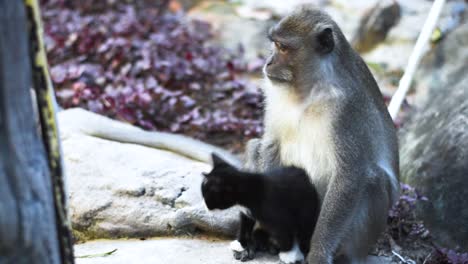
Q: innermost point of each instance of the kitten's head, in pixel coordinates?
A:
(219, 187)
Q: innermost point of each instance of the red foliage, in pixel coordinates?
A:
(157, 71)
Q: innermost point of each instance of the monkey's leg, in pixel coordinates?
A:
(244, 248)
(369, 220)
(353, 215)
(340, 212)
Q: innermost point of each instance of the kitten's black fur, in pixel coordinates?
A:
(282, 201)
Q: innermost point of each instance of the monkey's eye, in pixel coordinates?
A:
(281, 48)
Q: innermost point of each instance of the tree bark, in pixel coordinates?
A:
(28, 228)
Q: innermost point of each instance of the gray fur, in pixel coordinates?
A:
(358, 182)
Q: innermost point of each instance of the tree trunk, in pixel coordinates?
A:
(29, 230)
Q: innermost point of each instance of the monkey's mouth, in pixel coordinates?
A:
(275, 78)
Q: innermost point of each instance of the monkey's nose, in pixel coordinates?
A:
(269, 61)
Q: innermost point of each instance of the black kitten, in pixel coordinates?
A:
(283, 202)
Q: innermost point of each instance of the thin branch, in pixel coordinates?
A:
(427, 258)
(407, 261)
(98, 255)
(416, 55)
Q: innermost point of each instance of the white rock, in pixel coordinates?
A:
(128, 190)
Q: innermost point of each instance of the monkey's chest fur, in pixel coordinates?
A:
(304, 132)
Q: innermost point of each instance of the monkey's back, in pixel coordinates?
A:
(363, 117)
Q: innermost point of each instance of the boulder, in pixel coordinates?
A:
(375, 25)
(444, 66)
(128, 190)
(399, 42)
(434, 144)
(434, 159)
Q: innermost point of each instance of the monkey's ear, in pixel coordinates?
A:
(325, 41)
(217, 160)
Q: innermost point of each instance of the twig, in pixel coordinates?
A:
(416, 55)
(407, 261)
(428, 256)
(98, 255)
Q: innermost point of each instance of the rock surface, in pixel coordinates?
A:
(444, 67)
(128, 190)
(375, 25)
(434, 159)
(434, 144)
(170, 251)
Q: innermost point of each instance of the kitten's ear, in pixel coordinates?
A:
(217, 160)
(325, 41)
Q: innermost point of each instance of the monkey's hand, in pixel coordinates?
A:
(242, 253)
(319, 259)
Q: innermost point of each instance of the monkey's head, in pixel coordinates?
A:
(301, 44)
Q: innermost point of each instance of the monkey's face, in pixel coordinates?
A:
(300, 43)
(279, 66)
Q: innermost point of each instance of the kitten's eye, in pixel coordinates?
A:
(281, 48)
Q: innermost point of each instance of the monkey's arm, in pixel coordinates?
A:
(338, 211)
(252, 154)
(261, 154)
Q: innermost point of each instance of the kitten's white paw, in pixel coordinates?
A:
(292, 256)
(236, 246)
(241, 253)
